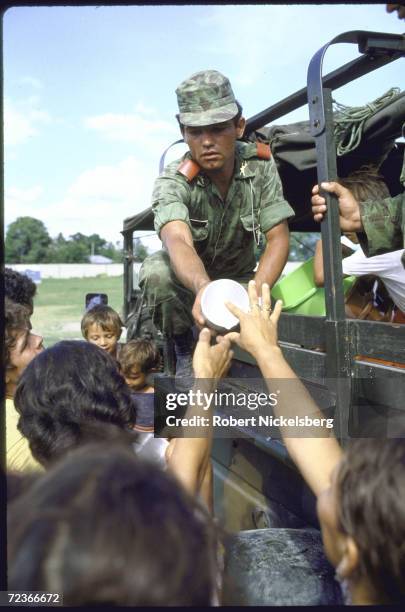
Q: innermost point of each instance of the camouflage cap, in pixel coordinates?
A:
(206, 98)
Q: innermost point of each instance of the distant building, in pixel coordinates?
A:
(99, 259)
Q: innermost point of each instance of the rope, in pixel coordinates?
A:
(349, 121)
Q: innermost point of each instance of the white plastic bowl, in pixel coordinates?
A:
(213, 301)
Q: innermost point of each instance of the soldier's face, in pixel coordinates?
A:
(213, 146)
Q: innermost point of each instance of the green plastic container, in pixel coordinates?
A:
(299, 293)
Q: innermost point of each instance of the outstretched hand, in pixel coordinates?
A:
(349, 210)
(258, 328)
(211, 361)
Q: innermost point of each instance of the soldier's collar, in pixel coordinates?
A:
(243, 170)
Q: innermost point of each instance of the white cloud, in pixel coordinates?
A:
(251, 54)
(26, 202)
(96, 202)
(270, 46)
(100, 198)
(141, 127)
(21, 124)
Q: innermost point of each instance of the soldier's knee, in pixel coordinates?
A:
(155, 273)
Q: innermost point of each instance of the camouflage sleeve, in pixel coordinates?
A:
(170, 201)
(273, 207)
(383, 222)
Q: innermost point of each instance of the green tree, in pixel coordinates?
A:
(27, 241)
(68, 251)
(140, 251)
(302, 245)
(111, 251)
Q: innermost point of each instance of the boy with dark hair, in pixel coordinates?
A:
(101, 325)
(137, 359)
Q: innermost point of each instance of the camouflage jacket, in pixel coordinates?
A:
(224, 231)
(384, 223)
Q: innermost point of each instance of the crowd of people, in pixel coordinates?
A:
(104, 513)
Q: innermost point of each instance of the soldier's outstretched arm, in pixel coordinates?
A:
(275, 255)
(186, 264)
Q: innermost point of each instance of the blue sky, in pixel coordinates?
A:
(90, 103)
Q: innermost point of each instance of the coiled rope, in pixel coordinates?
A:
(349, 121)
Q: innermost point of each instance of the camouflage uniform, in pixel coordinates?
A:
(223, 231)
(384, 223)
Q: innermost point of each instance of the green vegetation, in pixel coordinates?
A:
(59, 304)
(28, 241)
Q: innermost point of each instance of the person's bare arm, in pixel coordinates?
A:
(187, 265)
(275, 255)
(319, 278)
(189, 458)
(315, 456)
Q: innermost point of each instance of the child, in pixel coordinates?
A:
(137, 359)
(101, 325)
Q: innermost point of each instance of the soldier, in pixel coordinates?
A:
(210, 208)
(379, 223)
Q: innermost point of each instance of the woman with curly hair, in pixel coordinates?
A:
(20, 347)
(73, 392)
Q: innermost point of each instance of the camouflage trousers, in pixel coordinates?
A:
(168, 301)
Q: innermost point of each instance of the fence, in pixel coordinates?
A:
(69, 270)
(87, 270)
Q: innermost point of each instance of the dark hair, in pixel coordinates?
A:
(139, 352)
(371, 491)
(19, 287)
(105, 316)
(366, 184)
(63, 390)
(16, 320)
(235, 119)
(103, 527)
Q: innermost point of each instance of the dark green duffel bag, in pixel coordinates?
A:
(363, 135)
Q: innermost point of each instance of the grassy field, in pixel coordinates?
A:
(59, 305)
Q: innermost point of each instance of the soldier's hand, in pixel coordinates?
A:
(196, 310)
(349, 209)
(211, 362)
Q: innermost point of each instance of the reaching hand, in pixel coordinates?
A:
(258, 328)
(211, 361)
(349, 210)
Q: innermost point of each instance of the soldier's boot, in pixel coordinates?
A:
(183, 347)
